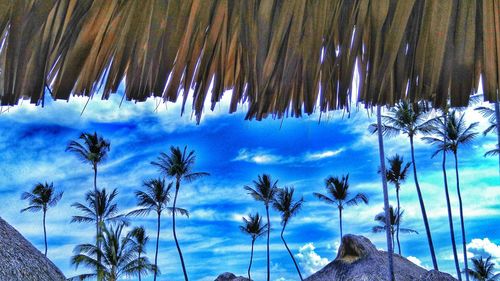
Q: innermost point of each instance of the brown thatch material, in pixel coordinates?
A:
(359, 260)
(21, 261)
(281, 57)
(228, 276)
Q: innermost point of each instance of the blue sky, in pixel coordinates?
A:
(297, 152)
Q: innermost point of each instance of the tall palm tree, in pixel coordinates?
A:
(155, 198)
(411, 120)
(41, 197)
(264, 190)
(484, 270)
(338, 194)
(119, 257)
(395, 220)
(285, 204)
(139, 240)
(390, 243)
(397, 174)
(92, 149)
(178, 164)
(253, 227)
(450, 136)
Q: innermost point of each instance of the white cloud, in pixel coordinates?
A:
(309, 259)
(322, 155)
(484, 247)
(416, 261)
(258, 156)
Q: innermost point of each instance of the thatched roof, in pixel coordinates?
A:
(281, 57)
(21, 261)
(359, 260)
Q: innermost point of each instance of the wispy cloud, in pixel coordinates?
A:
(267, 156)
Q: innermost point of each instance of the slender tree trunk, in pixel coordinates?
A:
(497, 114)
(45, 231)
(422, 207)
(450, 215)
(340, 222)
(290, 252)
(157, 244)
(177, 185)
(97, 227)
(140, 265)
(268, 232)
(399, 218)
(251, 259)
(464, 239)
(386, 195)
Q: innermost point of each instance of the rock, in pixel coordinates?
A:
(359, 260)
(228, 276)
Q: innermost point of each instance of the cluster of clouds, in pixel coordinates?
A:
(266, 156)
(309, 259)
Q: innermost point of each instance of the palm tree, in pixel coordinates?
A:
(338, 190)
(139, 240)
(41, 197)
(395, 220)
(411, 120)
(450, 135)
(264, 190)
(484, 270)
(285, 204)
(253, 227)
(92, 149)
(179, 166)
(119, 257)
(396, 175)
(155, 198)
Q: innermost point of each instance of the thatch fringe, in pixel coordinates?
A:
(281, 57)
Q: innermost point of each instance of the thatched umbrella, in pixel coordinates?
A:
(21, 261)
(281, 57)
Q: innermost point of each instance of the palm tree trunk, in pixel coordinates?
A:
(399, 217)
(340, 222)
(422, 207)
(177, 185)
(290, 252)
(45, 231)
(450, 215)
(497, 114)
(97, 227)
(268, 232)
(386, 195)
(140, 265)
(464, 239)
(251, 259)
(157, 244)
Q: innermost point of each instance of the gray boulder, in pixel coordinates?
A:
(228, 276)
(359, 260)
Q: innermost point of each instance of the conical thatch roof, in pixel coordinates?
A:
(21, 261)
(279, 56)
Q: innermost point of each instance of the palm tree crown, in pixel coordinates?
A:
(41, 197)
(93, 148)
(338, 190)
(284, 203)
(178, 164)
(139, 240)
(484, 270)
(119, 256)
(456, 132)
(100, 206)
(406, 118)
(398, 171)
(253, 226)
(396, 218)
(264, 189)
